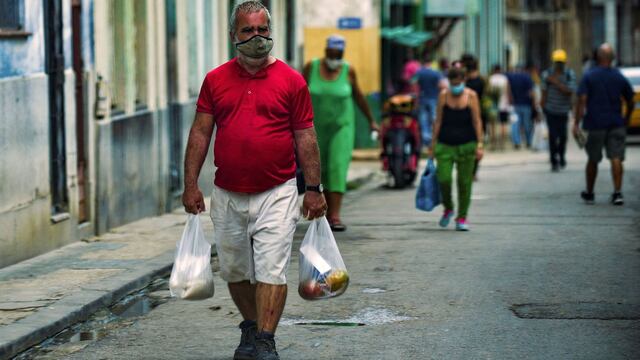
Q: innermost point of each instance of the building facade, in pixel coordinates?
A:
(536, 27)
(96, 102)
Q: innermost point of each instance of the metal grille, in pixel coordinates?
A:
(11, 15)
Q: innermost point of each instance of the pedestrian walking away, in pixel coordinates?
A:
(476, 83)
(430, 83)
(500, 94)
(558, 86)
(523, 97)
(457, 140)
(334, 88)
(599, 94)
(261, 110)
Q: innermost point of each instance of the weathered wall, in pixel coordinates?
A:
(26, 229)
(26, 226)
(363, 45)
(128, 169)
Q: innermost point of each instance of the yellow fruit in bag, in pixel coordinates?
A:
(337, 279)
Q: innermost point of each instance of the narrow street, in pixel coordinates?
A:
(540, 276)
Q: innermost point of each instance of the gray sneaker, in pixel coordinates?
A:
(247, 348)
(266, 347)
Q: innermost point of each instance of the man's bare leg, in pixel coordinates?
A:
(270, 300)
(244, 296)
(592, 173)
(616, 173)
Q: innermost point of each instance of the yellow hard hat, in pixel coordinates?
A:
(559, 56)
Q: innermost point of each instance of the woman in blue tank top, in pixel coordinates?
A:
(457, 139)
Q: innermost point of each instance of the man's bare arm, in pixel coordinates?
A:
(308, 155)
(196, 153)
(580, 105)
(313, 204)
(629, 110)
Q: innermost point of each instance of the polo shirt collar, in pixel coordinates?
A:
(245, 74)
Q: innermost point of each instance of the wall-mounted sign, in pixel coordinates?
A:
(438, 8)
(349, 23)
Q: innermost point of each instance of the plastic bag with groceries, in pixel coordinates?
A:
(191, 276)
(323, 274)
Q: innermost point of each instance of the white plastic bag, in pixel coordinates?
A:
(540, 137)
(191, 276)
(322, 272)
(513, 117)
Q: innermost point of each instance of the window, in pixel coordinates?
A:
(129, 65)
(11, 16)
(196, 52)
(291, 30)
(12, 19)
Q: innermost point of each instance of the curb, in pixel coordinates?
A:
(47, 322)
(27, 332)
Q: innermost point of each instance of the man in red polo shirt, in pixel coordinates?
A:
(261, 109)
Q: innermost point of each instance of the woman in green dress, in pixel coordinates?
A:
(334, 89)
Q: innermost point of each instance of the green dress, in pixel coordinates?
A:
(334, 120)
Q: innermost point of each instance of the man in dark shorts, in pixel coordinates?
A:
(600, 92)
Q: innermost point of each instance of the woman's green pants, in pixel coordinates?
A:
(463, 156)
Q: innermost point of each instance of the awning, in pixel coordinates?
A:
(405, 35)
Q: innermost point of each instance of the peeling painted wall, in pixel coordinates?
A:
(362, 49)
(26, 229)
(321, 14)
(25, 56)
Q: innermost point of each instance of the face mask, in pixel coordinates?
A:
(457, 89)
(333, 63)
(257, 47)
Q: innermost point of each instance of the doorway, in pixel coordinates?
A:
(78, 69)
(54, 68)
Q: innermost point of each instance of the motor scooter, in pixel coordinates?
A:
(400, 140)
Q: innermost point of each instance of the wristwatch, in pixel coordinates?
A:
(316, 188)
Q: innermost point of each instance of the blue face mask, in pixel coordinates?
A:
(457, 89)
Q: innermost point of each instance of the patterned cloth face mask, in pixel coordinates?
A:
(257, 47)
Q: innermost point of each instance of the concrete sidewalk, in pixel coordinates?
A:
(41, 296)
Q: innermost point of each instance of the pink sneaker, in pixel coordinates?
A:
(462, 225)
(446, 218)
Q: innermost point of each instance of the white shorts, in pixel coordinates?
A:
(254, 232)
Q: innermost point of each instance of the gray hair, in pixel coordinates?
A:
(247, 7)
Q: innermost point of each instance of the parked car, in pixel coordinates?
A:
(633, 74)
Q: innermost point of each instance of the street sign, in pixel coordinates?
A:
(455, 8)
(349, 23)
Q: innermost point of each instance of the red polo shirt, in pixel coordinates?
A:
(255, 118)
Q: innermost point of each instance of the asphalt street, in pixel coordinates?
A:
(540, 275)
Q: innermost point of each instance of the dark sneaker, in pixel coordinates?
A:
(555, 168)
(588, 198)
(617, 199)
(563, 163)
(266, 347)
(247, 348)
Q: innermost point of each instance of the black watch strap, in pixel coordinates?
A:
(316, 188)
